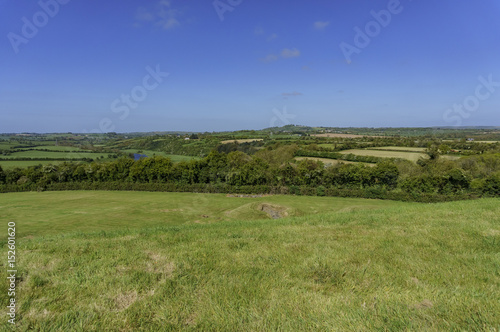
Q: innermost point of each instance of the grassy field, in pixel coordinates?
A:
(241, 140)
(53, 154)
(26, 163)
(399, 148)
(95, 211)
(391, 266)
(413, 156)
(173, 157)
(332, 161)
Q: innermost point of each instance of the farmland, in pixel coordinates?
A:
(331, 161)
(413, 156)
(152, 261)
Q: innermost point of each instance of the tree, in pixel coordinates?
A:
(2, 175)
(433, 152)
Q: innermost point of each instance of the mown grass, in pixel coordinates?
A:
(327, 161)
(61, 212)
(11, 164)
(413, 156)
(399, 148)
(402, 267)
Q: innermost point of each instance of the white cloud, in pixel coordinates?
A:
(290, 53)
(161, 15)
(269, 58)
(320, 25)
(272, 37)
(292, 94)
(285, 53)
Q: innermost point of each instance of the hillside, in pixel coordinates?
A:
(393, 266)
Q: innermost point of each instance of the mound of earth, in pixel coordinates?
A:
(273, 211)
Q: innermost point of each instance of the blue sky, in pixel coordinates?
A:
(93, 66)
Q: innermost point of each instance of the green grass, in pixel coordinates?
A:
(400, 266)
(332, 161)
(399, 148)
(175, 158)
(50, 154)
(413, 156)
(95, 211)
(58, 148)
(26, 163)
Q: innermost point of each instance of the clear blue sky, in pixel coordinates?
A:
(247, 64)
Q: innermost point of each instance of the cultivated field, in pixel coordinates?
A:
(399, 148)
(332, 161)
(121, 261)
(413, 156)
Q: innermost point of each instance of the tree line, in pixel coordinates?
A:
(271, 170)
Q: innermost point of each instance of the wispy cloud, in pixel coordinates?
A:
(290, 53)
(269, 58)
(285, 53)
(258, 31)
(161, 14)
(292, 94)
(272, 37)
(320, 25)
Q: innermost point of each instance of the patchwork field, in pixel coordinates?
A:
(100, 261)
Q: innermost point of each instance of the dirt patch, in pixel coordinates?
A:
(273, 211)
(160, 264)
(125, 300)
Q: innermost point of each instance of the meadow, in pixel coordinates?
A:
(151, 153)
(413, 156)
(127, 261)
(327, 161)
